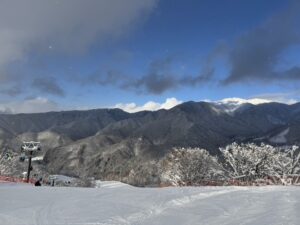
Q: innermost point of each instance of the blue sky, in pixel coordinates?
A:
(61, 55)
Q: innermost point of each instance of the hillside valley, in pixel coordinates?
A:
(111, 144)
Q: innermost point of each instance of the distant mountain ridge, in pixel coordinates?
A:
(111, 143)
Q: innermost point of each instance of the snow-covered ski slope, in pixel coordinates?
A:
(116, 203)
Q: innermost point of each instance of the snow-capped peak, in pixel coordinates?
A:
(229, 105)
(240, 101)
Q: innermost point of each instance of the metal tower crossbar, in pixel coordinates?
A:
(31, 146)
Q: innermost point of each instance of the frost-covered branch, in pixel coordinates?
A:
(253, 161)
(242, 162)
(190, 166)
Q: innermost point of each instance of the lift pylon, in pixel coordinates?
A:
(30, 147)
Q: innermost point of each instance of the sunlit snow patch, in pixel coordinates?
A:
(280, 138)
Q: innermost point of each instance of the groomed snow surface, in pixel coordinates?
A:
(116, 203)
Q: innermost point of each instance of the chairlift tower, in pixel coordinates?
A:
(29, 147)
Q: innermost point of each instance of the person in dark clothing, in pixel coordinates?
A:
(38, 183)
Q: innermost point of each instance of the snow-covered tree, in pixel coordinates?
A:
(243, 162)
(190, 166)
(294, 155)
(247, 160)
(251, 161)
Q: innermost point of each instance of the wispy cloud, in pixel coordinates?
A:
(31, 105)
(48, 85)
(160, 77)
(287, 98)
(255, 54)
(11, 91)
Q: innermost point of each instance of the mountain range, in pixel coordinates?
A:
(114, 144)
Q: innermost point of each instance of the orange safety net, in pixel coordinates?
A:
(15, 180)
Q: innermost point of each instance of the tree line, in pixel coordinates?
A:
(237, 164)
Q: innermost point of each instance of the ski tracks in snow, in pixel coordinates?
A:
(263, 205)
(116, 204)
(43, 215)
(157, 209)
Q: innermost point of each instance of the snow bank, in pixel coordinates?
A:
(109, 184)
(124, 204)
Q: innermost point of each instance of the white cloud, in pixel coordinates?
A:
(149, 106)
(286, 98)
(34, 105)
(267, 98)
(239, 101)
